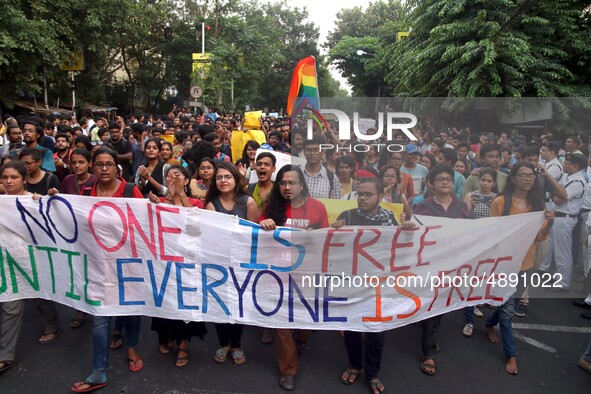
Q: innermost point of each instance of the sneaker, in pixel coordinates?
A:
(478, 312)
(520, 310)
(468, 329)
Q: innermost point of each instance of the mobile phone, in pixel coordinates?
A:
(482, 198)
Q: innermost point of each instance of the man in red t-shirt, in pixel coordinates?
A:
(290, 205)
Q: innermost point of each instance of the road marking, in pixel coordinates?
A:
(533, 342)
(548, 327)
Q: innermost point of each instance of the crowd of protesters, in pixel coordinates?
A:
(206, 161)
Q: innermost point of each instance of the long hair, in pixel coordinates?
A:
(249, 144)
(276, 205)
(185, 173)
(239, 188)
(535, 197)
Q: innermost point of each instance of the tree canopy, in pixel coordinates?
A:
(467, 48)
(130, 45)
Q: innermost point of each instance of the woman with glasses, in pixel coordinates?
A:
(520, 195)
(247, 163)
(227, 195)
(108, 184)
(394, 190)
(443, 203)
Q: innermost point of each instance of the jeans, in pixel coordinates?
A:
(101, 337)
(503, 316)
(469, 315)
(365, 356)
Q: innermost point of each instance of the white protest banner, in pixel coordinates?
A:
(131, 257)
(282, 159)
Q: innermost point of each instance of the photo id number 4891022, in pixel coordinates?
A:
(544, 280)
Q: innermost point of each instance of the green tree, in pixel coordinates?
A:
(477, 48)
(369, 30)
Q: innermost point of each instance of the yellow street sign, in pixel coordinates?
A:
(75, 61)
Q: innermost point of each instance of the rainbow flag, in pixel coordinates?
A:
(303, 92)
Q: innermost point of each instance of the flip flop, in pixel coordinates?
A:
(221, 355)
(375, 384)
(135, 365)
(432, 367)
(91, 386)
(182, 361)
(6, 365)
(238, 356)
(351, 373)
(52, 335)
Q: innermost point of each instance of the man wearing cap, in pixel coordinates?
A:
(566, 211)
(417, 172)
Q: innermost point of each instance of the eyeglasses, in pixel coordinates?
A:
(224, 177)
(526, 176)
(285, 183)
(109, 165)
(310, 151)
(444, 180)
(365, 195)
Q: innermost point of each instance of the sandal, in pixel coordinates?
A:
(135, 365)
(166, 347)
(350, 376)
(429, 368)
(77, 387)
(48, 338)
(376, 386)
(5, 365)
(181, 361)
(116, 341)
(238, 356)
(221, 355)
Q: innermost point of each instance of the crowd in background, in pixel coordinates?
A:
(207, 161)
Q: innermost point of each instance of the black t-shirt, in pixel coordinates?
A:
(122, 147)
(47, 182)
(352, 218)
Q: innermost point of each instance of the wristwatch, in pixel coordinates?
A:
(65, 165)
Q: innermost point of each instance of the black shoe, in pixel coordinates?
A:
(586, 316)
(582, 304)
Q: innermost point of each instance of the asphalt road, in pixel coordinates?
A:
(547, 354)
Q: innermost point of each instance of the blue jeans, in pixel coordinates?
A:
(101, 338)
(503, 316)
(469, 315)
